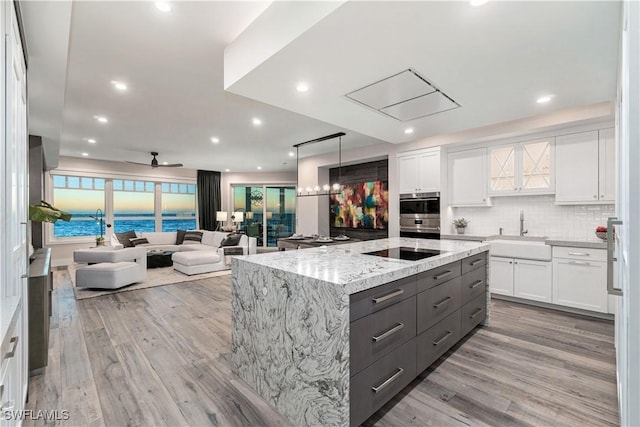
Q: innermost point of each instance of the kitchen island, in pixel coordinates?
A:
(328, 335)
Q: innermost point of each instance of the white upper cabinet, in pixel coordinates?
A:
(522, 168)
(467, 176)
(585, 167)
(419, 171)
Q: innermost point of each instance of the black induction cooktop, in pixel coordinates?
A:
(405, 253)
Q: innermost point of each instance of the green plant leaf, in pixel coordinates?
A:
(45, 212)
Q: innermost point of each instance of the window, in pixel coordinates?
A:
(133, 206)
(267, 223)
(82, 197)
(127, 204)
(178, 206)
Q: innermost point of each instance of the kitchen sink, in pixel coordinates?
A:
(521, 247)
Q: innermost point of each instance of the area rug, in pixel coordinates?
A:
(155, 277)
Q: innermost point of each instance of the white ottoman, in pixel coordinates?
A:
(198, 262)
(110, 275)
(97, 255)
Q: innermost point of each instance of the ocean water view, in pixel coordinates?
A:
(82, 224)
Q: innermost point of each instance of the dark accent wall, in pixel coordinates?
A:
(362, 172)
(36, 185)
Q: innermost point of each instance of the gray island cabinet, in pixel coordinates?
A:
(329, 335)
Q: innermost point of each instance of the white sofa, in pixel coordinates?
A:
(212, 258)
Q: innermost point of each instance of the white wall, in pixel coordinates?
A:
(542, 218)
(313, 212)
(62, 253)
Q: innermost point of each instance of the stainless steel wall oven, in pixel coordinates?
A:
(420, 215)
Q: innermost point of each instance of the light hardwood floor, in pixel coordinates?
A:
(161, 356)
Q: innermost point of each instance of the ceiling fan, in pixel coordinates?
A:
(155, 164)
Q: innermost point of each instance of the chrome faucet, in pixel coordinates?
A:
(522, 230)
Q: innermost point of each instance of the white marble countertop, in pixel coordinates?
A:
(346, 264)
(594, 243)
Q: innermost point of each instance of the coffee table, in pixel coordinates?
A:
(157, 259)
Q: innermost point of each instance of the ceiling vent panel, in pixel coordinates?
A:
(403, 96)
(426, 105)
(394, 89)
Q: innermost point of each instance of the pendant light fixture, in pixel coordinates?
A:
(326, 188)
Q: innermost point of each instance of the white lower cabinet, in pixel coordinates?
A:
(521, 278)
(576, 277)
(580, 284)
(501, 275)
(532, 280)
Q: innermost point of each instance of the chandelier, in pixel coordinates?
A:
(325, 188)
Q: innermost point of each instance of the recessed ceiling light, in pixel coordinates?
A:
(163, 6)
(118, 85)
(544, 99)
(215, 140)
(85, 154)
(477, 3)
(227, 170)
(259, 167)
(302, 87)
(165, 163)
(91, 141)
(256, 121)
(101, 119)
(291, 154)
(408, 131)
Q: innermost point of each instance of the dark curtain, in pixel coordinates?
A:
(209, 198)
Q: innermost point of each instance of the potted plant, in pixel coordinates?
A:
(99, 240)
(460, 224)
(44, 212)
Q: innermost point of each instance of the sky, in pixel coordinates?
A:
(74, 200)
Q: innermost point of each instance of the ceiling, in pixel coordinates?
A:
(494, 60)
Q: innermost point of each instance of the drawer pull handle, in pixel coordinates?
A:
(579, 263)
(441, 303)
(388, 381)
(476, 284)
(443, 339)
(390, 332)
(387, 297)
(12, 352)
(478, 311)
(440, 276)
(579, 253)
(476, 262)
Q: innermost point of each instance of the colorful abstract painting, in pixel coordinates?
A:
(361, 205)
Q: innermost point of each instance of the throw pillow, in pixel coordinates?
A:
(139, 241)
(125, 238)
(180, 236)
(231, 240)
(192, 237)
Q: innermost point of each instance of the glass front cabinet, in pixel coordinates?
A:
(522, 168)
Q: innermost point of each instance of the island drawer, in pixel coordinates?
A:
(436, 341)
(376, 385)
(438, 275)
(373, 336)
(474, 283)
(473, 313)
(473, 262)
(437, 303)
(378, 298)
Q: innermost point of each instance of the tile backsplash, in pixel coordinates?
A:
(541, 217)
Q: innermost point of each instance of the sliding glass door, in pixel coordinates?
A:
(269, 212)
